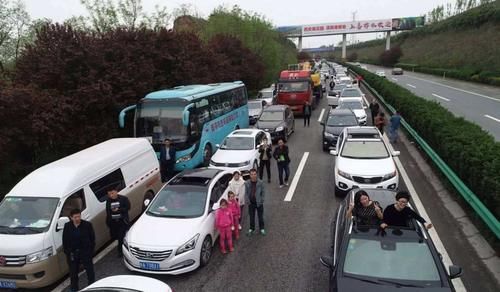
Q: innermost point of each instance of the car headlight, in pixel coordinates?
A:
(389, 175)
(39, 256)
(184, 158)
(344, 174)
(244, 163)
(329, 135)
(189, 245)
(279, 129)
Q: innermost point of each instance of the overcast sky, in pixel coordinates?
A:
(279, 12)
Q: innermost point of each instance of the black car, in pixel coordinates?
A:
(335, 122)
(278, 120)
(365, 258)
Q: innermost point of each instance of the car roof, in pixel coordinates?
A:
(199, 176)
(245, 133)
(363, 132)
(276, 108)
(341, 112)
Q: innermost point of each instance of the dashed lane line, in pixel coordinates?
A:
(439, 96)
(296, 177)
(411, 85)
(493, 118)
(321, 115)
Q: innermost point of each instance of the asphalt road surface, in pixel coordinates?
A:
(287, 258)
(475, 102)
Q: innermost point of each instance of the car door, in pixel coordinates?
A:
(217, 192)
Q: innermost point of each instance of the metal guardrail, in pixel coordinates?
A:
(466, 193)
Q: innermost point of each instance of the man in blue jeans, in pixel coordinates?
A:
(281, 156)
(255, 193)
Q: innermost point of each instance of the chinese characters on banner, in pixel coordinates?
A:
(217, 124)
(347, 27)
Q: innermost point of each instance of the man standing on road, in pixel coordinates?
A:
(79, 245)
(265, 154)
(380, 122)
(281, 156)
(307, 113)
(393, 130)
(167, 160)
(374, 109)
(117, 207)
(255, 193)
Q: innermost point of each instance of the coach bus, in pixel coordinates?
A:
(194, 117)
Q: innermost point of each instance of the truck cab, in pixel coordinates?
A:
(295, 87)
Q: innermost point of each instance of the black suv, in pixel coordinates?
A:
(335, 122)
(365, 258)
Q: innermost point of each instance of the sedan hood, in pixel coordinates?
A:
(366, 167)
(163, 232)
(354, 285)
(232, 156)
(271, 125)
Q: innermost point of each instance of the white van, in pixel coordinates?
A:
(34, 212)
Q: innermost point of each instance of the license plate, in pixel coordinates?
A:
(150, 266)
(8, 284)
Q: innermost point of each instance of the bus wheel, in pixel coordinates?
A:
(207, 155)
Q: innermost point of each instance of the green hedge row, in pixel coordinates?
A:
(470, 151)
(486, 77)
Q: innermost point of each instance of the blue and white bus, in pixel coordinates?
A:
(195, 117)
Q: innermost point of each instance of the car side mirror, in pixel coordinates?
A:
(455, 271)
(365, 107)
(334, 152)
(327, 261)
(217, 145)
(396, 153)
(61, 222)
(215, 206)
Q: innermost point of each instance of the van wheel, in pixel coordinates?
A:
(207, 155)
(206, 251)
(148, 196)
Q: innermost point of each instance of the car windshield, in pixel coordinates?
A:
(293, 86)
(350, 93)
(354, 105)
(26, 215)
(255, 104)
(160, 120)
(180, 201)
(342, 120)
(237, 143)
(386, 259)
(271, 116)
(364, 150)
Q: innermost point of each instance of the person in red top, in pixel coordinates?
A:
(224, 224)
(234, 206)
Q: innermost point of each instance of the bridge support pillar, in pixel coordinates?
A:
(300, 44)
(388, 41)
(344, 44)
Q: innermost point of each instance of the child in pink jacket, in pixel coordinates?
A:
(234, 206)
(224, 224)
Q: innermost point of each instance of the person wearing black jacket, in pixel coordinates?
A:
(79, 245)
(374, 109)
(281, 155)
(117, 219)
(265, 154)
(399, 213)
(306, 112)
(167, 160)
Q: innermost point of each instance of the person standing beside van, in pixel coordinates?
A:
(167, 160)
(79, 245)
(117, 219)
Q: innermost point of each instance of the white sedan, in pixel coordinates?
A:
(380, 73)
(128, 283)
(240, 150)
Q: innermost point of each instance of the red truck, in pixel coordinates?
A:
(294, 89)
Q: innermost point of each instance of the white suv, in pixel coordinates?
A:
(363, 160)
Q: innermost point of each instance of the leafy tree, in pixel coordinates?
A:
(391, 57)
(303, 56)
(352, 57)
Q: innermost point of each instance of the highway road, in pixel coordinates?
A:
(287, 259)
(475, 102)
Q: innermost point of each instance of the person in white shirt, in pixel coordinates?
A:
(237, 186)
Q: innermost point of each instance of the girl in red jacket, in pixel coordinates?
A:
(224, 224)
(234, 206)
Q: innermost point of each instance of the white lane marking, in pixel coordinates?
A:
(321, 115)
(493, 118)
(439, 96)
(97, 258)
(411, 85)
(457, 282)
(458, 89)
(296, 177)
(394, 79)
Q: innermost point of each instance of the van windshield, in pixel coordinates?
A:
(26, 215)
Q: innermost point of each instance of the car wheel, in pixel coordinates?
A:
(207, 155)
(206, 251)
(339, 192)
(147, 196)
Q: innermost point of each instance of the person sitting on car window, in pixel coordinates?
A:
(399, 213)
(366, 211)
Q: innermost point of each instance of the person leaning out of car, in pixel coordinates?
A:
(366, 211)
(399, 213)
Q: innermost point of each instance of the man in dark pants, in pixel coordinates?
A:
(117, 207)
(374, 109)
(79, 245)
(306, 112)
(167, 160)
(255, 193)
(265, 154)
(281, 156)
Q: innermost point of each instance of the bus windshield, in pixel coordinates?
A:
(161, 120)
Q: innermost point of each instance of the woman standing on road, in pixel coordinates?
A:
(366, 211)
(237, 186)
(380, 122)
